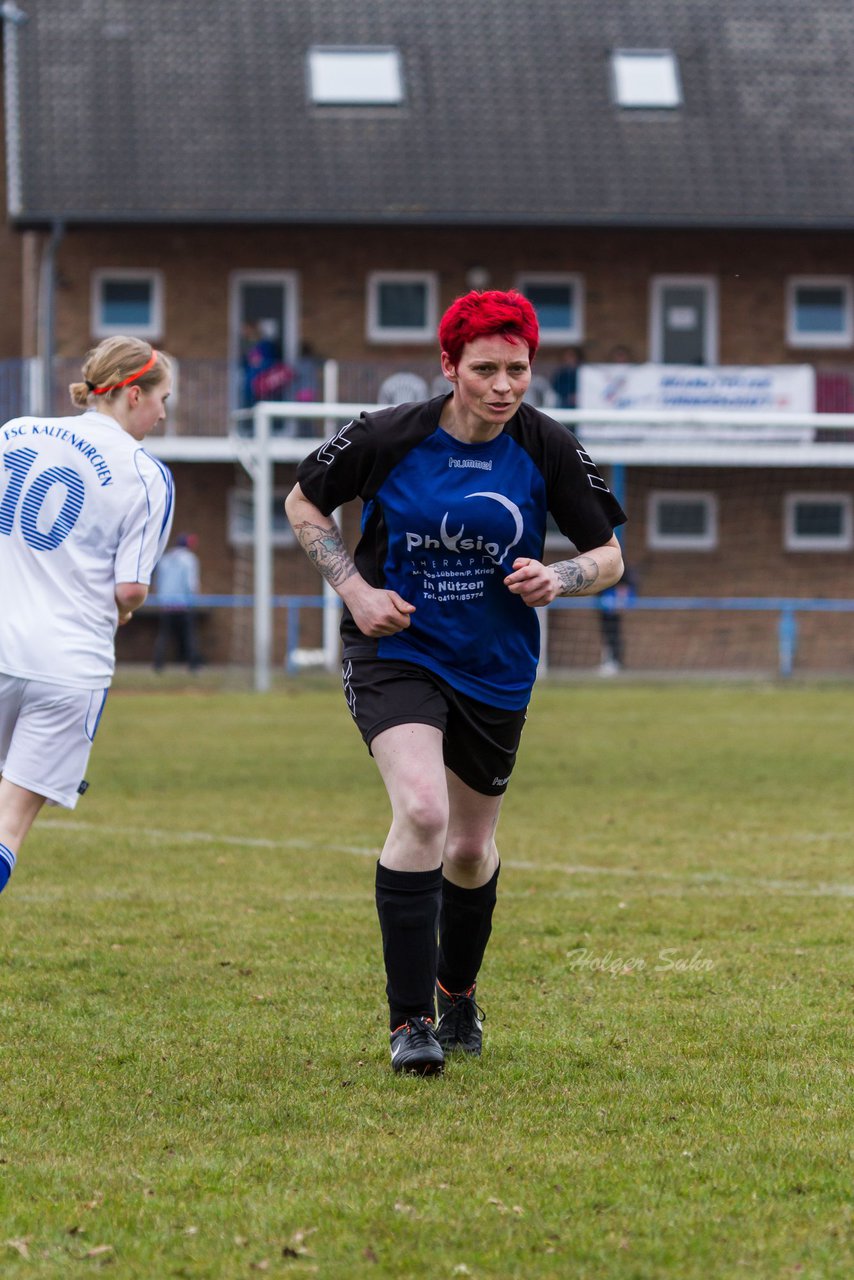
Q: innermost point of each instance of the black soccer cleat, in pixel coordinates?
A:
(460, 1025)
(415, 1049)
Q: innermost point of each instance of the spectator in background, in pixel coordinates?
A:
(177, 584)
(307, 375)
(565, 378)
(265, 376)
(612, 602)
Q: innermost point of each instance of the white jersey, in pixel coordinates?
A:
(82, 508)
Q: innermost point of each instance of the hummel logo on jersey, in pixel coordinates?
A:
(594, 479)
(480, 464)
(326, 452)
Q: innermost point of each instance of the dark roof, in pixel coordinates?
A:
(198, 110)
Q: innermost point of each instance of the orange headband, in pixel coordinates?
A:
(114, 386)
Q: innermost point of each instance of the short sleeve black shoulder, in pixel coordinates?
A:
(442, 524)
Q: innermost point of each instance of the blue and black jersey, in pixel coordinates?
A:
(442, 524)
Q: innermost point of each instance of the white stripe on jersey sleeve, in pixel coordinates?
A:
(146, 528)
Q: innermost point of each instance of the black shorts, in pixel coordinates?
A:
(480, 741)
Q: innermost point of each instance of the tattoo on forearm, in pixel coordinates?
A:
(576, 575)
(325, 549)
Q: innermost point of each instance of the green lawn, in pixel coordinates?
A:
(195, 1077)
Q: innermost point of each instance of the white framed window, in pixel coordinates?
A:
(819, 522)
(558, 299)
(127, 301)
(683, 322)
(241, 517)
(402, 306)
(819, 311)
(682, 521)
(645, 78)
(355, 76)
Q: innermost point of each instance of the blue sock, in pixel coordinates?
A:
(7, 865)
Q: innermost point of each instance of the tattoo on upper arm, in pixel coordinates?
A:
(576, 575)
(325, 549)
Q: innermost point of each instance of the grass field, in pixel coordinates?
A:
(195, 1077)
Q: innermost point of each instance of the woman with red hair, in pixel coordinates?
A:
(441, 637)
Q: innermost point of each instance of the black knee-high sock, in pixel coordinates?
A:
(408, 907)
(465, 923)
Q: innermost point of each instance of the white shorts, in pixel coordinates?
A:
(46, 734)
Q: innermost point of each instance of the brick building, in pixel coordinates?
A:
(341, 172)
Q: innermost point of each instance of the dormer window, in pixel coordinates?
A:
(355, 77)
(646, 78)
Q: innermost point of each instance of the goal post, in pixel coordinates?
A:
(257, 449)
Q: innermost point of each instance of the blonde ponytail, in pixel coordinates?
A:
(114, 364)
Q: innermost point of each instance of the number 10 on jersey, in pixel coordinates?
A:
(29, 492)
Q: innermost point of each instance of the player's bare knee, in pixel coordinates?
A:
(467, 852)
(425, 813)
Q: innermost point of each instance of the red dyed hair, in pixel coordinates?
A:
(482, 315)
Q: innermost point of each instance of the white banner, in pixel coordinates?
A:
(788, 388)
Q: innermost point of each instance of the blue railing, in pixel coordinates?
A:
(787, 607)
(293, 604)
